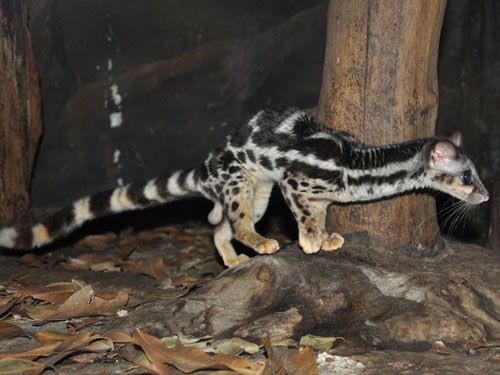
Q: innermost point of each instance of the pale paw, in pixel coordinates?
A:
(310, 245)
(236, 260)
(333, 242)
(268, 247)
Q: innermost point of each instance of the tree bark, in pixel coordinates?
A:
(380, 84)
(20, 111)
(494, 229)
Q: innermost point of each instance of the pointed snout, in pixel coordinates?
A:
(479, 196)
(485, 196)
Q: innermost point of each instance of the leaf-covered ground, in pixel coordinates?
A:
(54, 305)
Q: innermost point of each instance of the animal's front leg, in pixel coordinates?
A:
(310, 214)
(239, 207)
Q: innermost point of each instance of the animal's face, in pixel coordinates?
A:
(451, 171)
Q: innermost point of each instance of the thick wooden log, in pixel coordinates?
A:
(373, 297)
(380, 84)
(20, 111)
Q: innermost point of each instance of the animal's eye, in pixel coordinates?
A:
(466, 177)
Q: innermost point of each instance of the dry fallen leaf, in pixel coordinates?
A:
(154, 267)
(56, 293)
(51, 337)
(118, 337)
(236, 346)
(9, 331)
(320, 343)
(76, 325)
(99, 241)
(139, 359)
(301, 361)
(82, 303)
(11, 366)
(191, 359)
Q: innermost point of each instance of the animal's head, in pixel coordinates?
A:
(449, 170)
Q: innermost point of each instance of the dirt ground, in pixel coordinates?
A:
(56, 310)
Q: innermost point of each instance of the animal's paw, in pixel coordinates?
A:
(268, 247)
(310, 244)
(333, 242)
(236, 260)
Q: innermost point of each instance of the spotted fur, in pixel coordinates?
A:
(312, 165)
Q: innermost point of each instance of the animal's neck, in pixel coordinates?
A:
(374, 172)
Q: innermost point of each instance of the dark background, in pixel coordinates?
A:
(189, 71)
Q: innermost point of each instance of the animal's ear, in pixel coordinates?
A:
(456, 138)
(442, 153)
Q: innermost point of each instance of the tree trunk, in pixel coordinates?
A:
(494, 230)
(380, 84)
(20, 111)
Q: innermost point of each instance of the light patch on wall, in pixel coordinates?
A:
(116, 156)
(115, 119)
(115, 95)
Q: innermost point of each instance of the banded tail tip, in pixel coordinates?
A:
(8, 237)
(40, 235)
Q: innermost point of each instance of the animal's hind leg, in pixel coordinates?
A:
(239, 207)
(310, 215)
(223, 234)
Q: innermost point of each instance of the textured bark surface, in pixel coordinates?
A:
(374, 298)
(20, 111)
(494, 229)
(380, 83)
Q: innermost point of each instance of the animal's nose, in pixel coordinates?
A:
(485, 196)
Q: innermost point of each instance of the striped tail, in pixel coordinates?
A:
(134, 196)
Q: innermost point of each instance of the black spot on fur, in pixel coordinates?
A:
(266, 163)
(226, 176)
(235, 191)
(303, 219)
(293, 183)
(304, 183)
(218, 188)
(242, 215)
(226, 159)
(282, 162)
(251, 156)
(233, 183)
(234, 206)
(233, 169)
(440, 177)
(318, 187)
(296, 200)
(241, 156)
